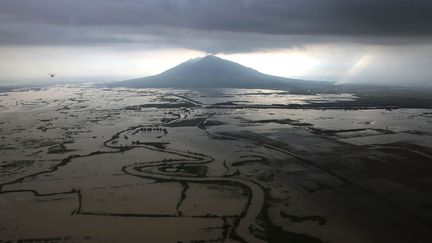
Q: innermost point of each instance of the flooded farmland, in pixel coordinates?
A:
(87, 164)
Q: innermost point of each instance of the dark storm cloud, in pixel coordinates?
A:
(215, 26)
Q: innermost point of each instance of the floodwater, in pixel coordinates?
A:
(86, 164)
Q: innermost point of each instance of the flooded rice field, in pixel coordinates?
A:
(86, 164)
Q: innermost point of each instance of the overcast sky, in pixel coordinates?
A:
(374, 41)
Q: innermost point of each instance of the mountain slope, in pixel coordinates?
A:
(214, 72)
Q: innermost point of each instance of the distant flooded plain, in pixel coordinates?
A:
(86, 164)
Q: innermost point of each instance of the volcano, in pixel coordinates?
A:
(214, 72)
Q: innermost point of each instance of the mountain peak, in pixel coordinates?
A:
(211, 66)
(208, 71)
(208, 58)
